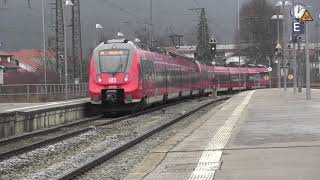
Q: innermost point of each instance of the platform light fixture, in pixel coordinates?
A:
(120, 34)
(99, 29)
(44, 45)
(283, 3)
(278, 17)
(99, 26)
(68, 3)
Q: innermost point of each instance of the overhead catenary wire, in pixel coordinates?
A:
(196, 3)
(125, 11)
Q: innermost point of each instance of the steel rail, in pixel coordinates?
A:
(30, 147)
(47, 131)
(110, 154)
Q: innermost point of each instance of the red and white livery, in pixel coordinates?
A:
(123, 76)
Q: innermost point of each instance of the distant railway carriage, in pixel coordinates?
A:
(123, 76)
(264, 77)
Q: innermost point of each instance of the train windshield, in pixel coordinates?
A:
(113, 61)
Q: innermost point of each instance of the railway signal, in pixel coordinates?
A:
(278, 49)
(213, 46)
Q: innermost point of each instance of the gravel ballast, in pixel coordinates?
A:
(54, 160)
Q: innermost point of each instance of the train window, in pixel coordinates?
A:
(160, 75)
(235, 78)
(252, 78)
(148, 69)
(113, 61)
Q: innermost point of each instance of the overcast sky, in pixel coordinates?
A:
(20, 27)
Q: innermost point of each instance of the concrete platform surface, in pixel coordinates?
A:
(11, 107)
(263, 134)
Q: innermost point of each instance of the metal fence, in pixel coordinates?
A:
(42, 92)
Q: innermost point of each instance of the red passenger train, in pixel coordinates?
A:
(124, 76)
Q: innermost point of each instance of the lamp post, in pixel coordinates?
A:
(239, 67)
(151, 23)
(44, 46)
(318, 41)
(68, 3)
(99, 28)
(283, 5)
(278, 17)
(295, 69)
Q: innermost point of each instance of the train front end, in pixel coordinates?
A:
(114, 76)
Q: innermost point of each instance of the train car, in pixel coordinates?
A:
(253, 78)
(123, 76)
(264, 77)
(243, 78)
(205, 84)
(222, 79)
(235, 78)
(114, 75)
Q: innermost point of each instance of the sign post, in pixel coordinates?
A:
(307, 18)
(298, 28)
(308, 86)
(270, 75)
(1, 74)
(295, 69)
(300, 13)
(277, 61)
(213, 46)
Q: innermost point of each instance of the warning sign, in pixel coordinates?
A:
(213, 40)
(306, 17)
(278, 46)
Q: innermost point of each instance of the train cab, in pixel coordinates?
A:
(114, 74)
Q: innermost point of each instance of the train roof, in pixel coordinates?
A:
(116, 45)
(262, 69)
(253, 70)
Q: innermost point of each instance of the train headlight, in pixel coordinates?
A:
(99, 78)
(126, 78)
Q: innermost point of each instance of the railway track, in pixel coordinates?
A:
(76, 172)
(56, 134)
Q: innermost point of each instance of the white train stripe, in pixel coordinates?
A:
(210, 158)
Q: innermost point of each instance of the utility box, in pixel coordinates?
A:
(1, 74)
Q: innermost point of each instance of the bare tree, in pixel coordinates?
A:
(257, 30)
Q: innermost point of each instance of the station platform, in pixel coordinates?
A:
(262, 134)
(24, 107)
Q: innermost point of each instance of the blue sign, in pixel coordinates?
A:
(298, 28)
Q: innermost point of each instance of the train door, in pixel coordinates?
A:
(181, 81)
(150, 78)
(166, 77)
(190, 80)
(163, 69)
(142, 76)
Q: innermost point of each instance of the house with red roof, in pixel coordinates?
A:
(6, 61)
(26, 66)
(32, 60)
